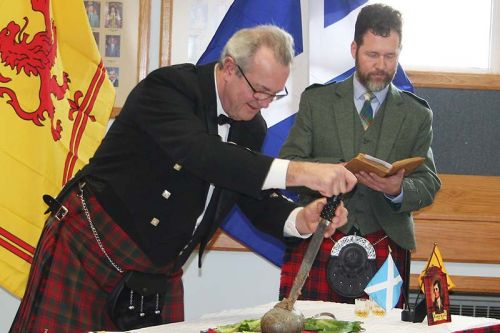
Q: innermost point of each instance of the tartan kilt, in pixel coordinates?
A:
(316, 286)
(70, 277)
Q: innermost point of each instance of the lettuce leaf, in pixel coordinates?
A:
(310, 324)
(331, 325)
(249, 325)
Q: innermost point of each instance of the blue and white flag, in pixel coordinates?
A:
(325, 58)
(331, 32)
(287, 15)
(385, 286)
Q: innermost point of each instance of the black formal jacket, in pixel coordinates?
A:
(152, 171)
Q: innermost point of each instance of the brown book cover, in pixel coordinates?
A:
(367, 163)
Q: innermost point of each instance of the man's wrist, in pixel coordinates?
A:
(276, 177)
(290, 228)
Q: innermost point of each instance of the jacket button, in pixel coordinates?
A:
(177, 167)
(155, 221)
(166, 194)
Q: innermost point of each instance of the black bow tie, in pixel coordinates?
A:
(223, 119)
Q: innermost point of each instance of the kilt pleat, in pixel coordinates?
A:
(70, 277)
(316, 286)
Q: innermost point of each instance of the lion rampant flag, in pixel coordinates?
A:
(55, 102)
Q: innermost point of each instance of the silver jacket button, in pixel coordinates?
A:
(155, 221)
(166, 194)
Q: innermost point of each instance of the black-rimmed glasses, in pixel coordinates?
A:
(261, 95)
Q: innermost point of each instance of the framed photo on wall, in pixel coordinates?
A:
(436, 295)
(121, 29)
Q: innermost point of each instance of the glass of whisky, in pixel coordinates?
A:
(376, 309)
(361, 307)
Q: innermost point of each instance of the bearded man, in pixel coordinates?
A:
(367, 114)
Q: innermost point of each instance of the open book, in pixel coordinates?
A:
(367, 163)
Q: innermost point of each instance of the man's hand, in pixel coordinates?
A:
(389, 185)
(327, 179)
(308, 218)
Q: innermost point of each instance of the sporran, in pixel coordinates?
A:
(351, 266)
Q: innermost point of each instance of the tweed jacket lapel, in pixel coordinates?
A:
(343, 106)
(394, 116)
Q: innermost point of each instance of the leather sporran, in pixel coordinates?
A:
(137, 300)
(351, 266)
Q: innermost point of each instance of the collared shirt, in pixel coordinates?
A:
(276, 177)
(359, 100)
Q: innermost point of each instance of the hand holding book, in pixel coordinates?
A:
(367, 163)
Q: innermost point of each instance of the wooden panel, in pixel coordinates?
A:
(474, 200)
(467, 284)
(115, 112)
(165, 32)
(143, 45)
(464, 221)
(479, 81)
(465, 198)
(459, 241)
(223, 242)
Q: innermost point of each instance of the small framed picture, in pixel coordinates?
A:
(112, 48)
(93, 9)
(114, 75)
(436, 295)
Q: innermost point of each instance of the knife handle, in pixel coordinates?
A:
(332, 203)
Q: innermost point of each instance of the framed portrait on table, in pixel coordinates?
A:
(436, 295)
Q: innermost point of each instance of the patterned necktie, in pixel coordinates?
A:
(366, 113)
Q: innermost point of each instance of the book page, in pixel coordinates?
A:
(377, 160)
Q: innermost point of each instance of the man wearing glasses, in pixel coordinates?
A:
(183, 151)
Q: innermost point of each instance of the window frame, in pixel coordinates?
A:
(488, 79)
(454, 80)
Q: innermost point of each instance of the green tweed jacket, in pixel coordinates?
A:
(327, 129)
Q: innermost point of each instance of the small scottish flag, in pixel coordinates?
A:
(385, 286)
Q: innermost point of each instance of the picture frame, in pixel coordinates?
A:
(165, 32)
(121, 29)
(437, 297)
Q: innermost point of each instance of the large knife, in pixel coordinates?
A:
(327, 214)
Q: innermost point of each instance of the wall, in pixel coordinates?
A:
(466, 130)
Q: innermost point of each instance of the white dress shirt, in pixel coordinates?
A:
(276, 177)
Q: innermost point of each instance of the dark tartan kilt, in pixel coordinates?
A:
(316, 286)
(70, 277)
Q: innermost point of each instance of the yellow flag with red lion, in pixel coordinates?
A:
(55, 102)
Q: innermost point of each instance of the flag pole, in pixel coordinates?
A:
(433, 253)
(406, 288)
(418, 312)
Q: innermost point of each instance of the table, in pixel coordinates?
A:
(389, 323)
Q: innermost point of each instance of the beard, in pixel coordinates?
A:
(367, 80)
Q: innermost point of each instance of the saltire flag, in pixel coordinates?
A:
(385, 286)
(287, 15)
(435, 260)
(55, 102)
(321, 56)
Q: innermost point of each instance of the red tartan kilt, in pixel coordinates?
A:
(70, 277)
(316, 286)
